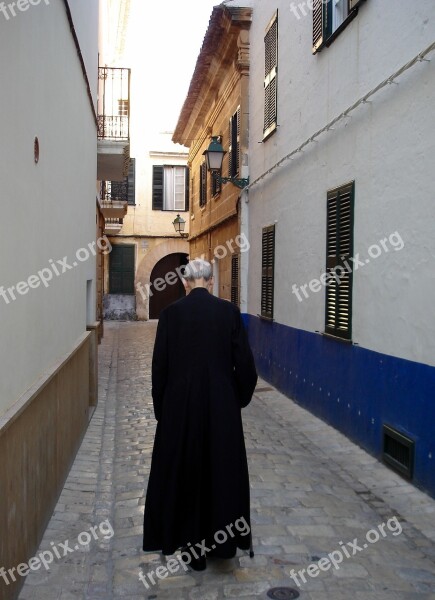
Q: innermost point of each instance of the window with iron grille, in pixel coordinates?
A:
(235, 265)
(267, 271)
(121, 269)
(329, 18)
(170, 187)
(234, 145)
(270, 77)
(203, 184)
(339, 250)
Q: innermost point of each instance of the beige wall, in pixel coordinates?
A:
(38, 444)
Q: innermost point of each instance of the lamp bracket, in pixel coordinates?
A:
(240, 183)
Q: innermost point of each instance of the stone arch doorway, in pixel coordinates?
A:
(165, 294)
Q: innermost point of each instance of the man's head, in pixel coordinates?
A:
(198, 273)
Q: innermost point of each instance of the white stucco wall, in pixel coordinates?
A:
(386, 147)
(85, 15)
(49, 207)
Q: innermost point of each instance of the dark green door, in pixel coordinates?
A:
(121, 272)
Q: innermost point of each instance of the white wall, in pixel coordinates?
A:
(85, 15)
(48, 209)
(386, 147)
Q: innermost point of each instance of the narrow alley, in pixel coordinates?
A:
(315, 495)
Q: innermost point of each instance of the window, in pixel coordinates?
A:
(123, 108)
(270, 77)
(339, 250)
(329, 18)
(131, 182)
(203, 184)
(235, 263)
(216, 185)
(170, 187)
(267, 271)
(121, 269)
(234, 145)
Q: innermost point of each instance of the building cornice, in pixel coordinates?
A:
(223, 31)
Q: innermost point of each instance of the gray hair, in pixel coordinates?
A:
(196, 269)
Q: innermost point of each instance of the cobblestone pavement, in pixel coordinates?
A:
(313, 493)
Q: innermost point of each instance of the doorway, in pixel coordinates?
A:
(164, 295)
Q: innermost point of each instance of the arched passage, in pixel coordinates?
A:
(162, 293)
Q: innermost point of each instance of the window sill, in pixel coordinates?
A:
(267, 319)
(336, 338)
(272, 129)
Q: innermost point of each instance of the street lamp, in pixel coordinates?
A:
(214, 156)
(179, 224)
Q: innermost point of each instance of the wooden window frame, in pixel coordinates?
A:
(203, 184)
(267, 271)
(158, 188)
(340, 209)
(235, 279)
(271, 55)
(323, 33)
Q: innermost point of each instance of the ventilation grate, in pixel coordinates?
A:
(398, 452)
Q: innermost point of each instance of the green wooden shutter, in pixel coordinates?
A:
(270, 77)
(339, 250)
(131, 182)
(157, 187)
(121, 269)
(267, 272)
(320, 21)
(235, 263)
(187, 196)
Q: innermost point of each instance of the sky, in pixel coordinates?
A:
(162, 46)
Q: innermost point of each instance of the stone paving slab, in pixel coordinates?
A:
(315, 495)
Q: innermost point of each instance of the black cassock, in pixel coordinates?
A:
(203, 374)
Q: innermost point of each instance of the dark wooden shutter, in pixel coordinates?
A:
(234, 144)
(131, 182)
(270, 78)
(203, 184)
(121, 269)
(339, 250)
(267, 272)
(187, 196)
(235, 264)
(158, 187)
(320, 20)
(216, 185)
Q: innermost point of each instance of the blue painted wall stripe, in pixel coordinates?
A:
(355, 390)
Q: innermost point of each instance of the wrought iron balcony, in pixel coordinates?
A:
(114, 103)
(113, 122)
